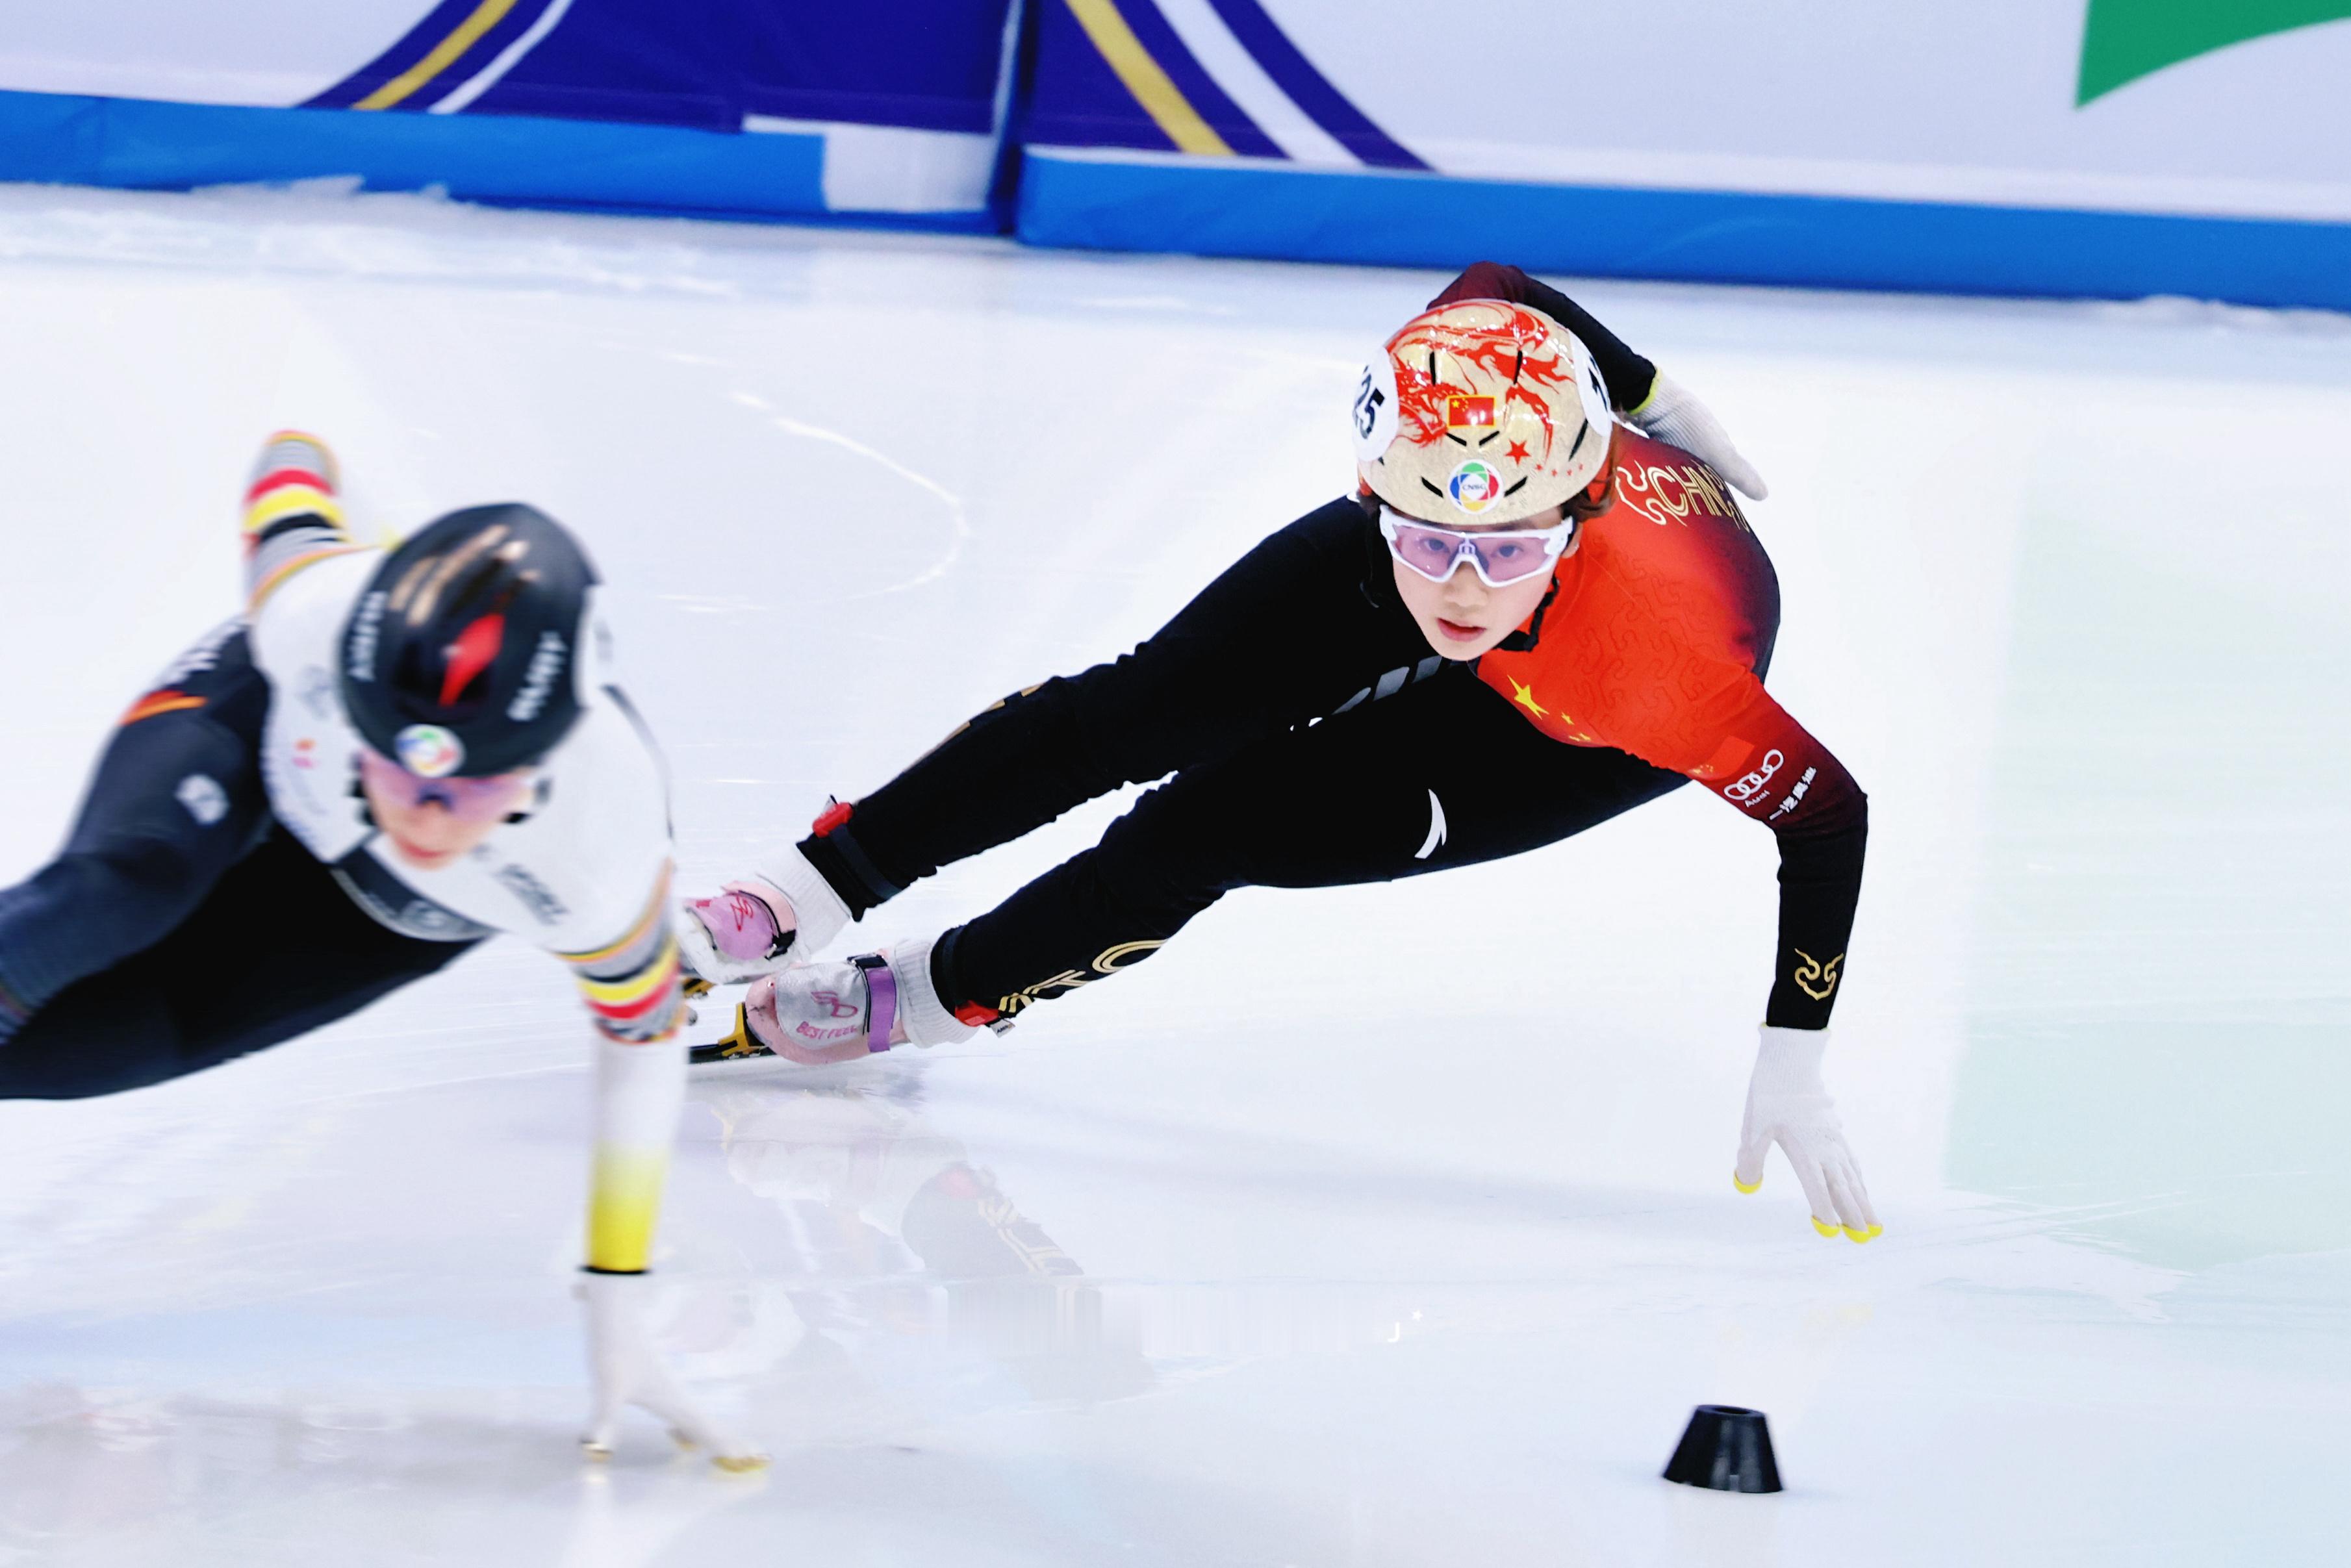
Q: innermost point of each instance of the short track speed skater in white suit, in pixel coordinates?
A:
(386, 758)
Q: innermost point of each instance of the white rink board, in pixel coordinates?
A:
(1400, 1215)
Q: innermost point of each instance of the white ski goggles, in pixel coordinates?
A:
(1498, 557)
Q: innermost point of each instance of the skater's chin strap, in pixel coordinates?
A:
(1379, 571)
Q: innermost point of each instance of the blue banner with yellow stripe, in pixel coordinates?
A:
(1991, 146)
(1120, 73)
(766, 107)
(2106, 149)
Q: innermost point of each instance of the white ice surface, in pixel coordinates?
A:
(1394, 1225)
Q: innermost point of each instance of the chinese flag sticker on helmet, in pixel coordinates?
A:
(1468, 413)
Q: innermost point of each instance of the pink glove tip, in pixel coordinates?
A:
(742, 927)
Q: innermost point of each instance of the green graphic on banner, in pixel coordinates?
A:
(2126, 39)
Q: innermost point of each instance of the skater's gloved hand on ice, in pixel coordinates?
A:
(1672, 412)
(1789, 1105)
(815, 1014)
(625, 1369)
(836, 1010)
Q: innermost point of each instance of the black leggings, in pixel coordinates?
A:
(1442, 775)
(1313, 740)
(182, 926)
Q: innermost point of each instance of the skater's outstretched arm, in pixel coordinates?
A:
(632, 990)
(178, 796)
(1768, 766)
(1773, 770)
(293, 517)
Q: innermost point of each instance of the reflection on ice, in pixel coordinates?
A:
(869, 1250)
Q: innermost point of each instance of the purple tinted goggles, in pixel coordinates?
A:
(473, 799)
(1498, 557)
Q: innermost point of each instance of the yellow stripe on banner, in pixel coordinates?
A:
(468, 33)
(1152, 88)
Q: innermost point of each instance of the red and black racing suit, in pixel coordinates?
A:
(1314, 739)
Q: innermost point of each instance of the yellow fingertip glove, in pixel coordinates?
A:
(1826, 1228)
(1755, 1186)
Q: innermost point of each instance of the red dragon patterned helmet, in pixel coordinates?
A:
(1480, 412)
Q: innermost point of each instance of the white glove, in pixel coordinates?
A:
(1789, 1105)
(625, 1369)
(1672, 413)
(827, 1011)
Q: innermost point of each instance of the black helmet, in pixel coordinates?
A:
(462, 656)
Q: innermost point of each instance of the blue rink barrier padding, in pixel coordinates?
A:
(144, 145)
(1225, 207)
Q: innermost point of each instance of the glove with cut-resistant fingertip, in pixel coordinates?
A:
(1789, 1105)
(625, 1369)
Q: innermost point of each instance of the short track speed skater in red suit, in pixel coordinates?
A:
(1539, 606)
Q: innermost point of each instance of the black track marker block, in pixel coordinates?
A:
(1725, 1448)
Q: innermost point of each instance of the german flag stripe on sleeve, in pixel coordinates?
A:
(292, 516)
(297, 497)
(632, 986)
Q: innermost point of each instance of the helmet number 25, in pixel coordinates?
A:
(1368, 399)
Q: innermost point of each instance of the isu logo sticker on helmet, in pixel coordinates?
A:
(1474, 487)
(429, 751)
